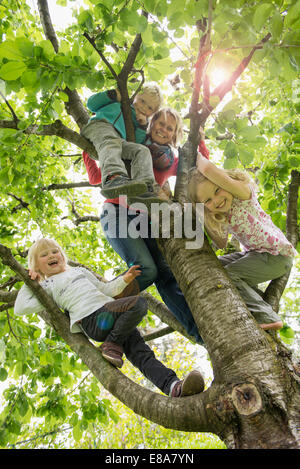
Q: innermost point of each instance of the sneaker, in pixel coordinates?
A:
(192, 384)
(112, 353)
(149, 197)
(120, 185)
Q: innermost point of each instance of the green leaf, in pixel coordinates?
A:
(261, 14)
(287, 334)
(245, 156)
(63, 96)
(46, 47)
(231, 163)
(4, 176)
(85, 19)
(22, 405)
(292, 18)
(10, 50)
(3, 374)
(250, 132)
(164, 66)
(25, 46)
(154, 74)
(276, 25)
(142, 24)
(230, 150)
(12, 70)
(130, 18)
(30, 79)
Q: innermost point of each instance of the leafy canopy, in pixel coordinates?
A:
(256, 127)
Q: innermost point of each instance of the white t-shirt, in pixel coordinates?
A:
(76, 290)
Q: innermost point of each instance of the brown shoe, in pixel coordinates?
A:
(192, 384)
(113, 353)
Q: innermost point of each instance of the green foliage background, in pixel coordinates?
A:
(47, 388)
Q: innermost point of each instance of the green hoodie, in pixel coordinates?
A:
(105, 106)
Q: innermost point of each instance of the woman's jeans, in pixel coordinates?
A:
(116, 321)
(143, 251)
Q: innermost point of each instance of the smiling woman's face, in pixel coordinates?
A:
(50, 261)
(163, 129)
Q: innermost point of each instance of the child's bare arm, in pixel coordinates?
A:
(218, 176)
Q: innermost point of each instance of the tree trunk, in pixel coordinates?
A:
(256, 388)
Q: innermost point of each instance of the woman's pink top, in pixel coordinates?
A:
(255, 229)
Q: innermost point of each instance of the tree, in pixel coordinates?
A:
(254, 398)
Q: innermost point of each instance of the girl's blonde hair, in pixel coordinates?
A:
(37, 247)
(176, 116)
(216, 223)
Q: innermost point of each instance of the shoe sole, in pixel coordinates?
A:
(124, 189)
(146, 201)
(192, 384)
(118, 362)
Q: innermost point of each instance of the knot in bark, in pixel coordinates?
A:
(246, 399)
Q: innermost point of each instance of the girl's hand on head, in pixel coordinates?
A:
(34, 275)
(133, 272)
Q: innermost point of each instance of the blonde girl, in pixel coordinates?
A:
(94, 311)
(231, 206)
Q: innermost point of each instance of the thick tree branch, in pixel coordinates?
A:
(70, 185)
(155, 407)
(227, 85)
(276, 287)
(58, 129)
(74, 106)
(158, 333)
(14, 116)
(47, 23)
(102, 56)
(122, 78)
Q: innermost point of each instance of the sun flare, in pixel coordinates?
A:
(217, 75)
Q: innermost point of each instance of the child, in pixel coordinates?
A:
(106, 130)
(165, 130)
(231, 206)
(94, 311)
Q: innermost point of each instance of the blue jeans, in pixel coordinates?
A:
(143, 251)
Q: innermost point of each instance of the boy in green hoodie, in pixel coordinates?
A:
(106, 130)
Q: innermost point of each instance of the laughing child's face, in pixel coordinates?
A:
(145, 104)
(216, 199)
(50, 261)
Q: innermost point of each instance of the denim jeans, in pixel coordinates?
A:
(143, 251)
(116, 321)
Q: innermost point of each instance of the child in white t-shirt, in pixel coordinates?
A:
(94, 311)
